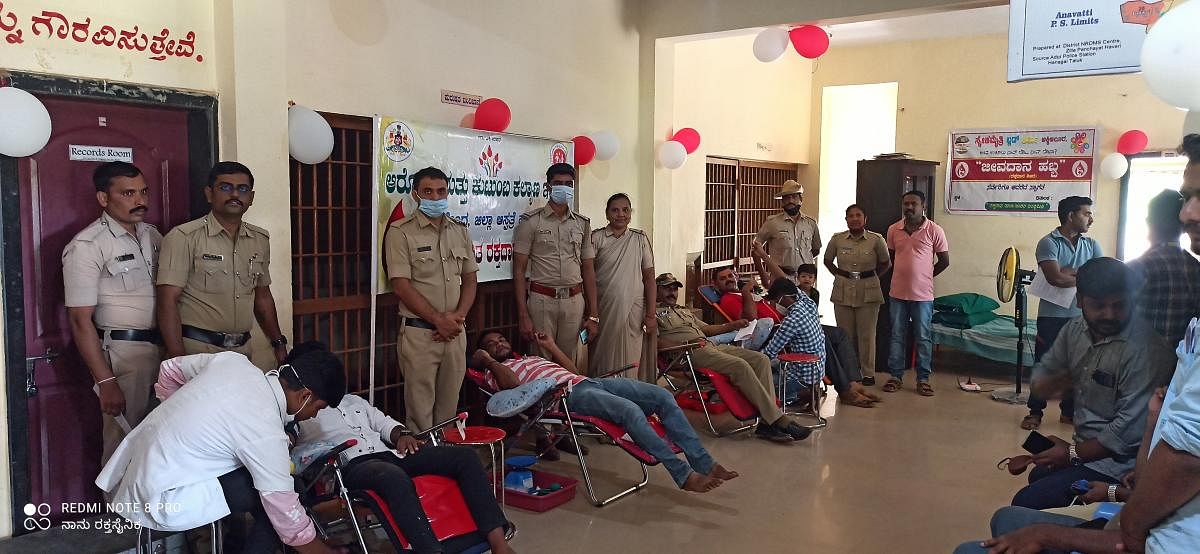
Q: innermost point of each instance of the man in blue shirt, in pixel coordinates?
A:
(1059, 255)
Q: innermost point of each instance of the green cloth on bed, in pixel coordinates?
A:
(963, 321)
(965, 303)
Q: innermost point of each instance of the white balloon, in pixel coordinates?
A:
(1171, 57)
(24, 123)
(607, 145)
(771, 43)
(310, 138)
(1191, 123)
(1114, 166)
(672, 154)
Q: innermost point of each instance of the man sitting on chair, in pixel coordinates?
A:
(388, 468)
(624, 402)
(739, 304)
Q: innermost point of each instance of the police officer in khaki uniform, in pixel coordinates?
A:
(791, 238)
(108, 277)
(748, 370)
(860, 256)
(553, 244)
(431, 268)
(214, 276)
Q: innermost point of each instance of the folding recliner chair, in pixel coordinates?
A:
(679, 358)
(553, 409)
(321, 481)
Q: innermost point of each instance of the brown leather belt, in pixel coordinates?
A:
(556, 292)
(223, 340)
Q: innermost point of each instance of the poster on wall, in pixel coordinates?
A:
(1071, 38)
(494, 178)
(1019, 171)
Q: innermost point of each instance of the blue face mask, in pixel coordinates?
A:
(562, 195)
(434, 208)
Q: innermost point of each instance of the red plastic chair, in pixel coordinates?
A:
(817, 389)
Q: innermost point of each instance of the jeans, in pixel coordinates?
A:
(921, 314)
(627, 403)
(242, 497)
(1047, 330)
(1011, 518)
(1051, 488)
(841, 362)
(755, 342)
(391, 477)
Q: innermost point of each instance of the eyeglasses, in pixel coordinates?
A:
(228, 188)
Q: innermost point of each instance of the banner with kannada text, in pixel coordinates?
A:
(1019, 171)
(494, 178)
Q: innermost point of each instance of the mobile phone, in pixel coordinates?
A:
(1037, 443)
(583, 336)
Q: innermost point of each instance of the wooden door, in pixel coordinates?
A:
(57, 201)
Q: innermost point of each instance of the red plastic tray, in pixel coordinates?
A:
(690, 400)
(542, 480)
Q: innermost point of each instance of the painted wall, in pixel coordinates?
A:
(742, 108)
(559, 80)
(960, 83)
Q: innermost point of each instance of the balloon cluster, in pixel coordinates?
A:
(601, 145)
(809, 41)
(672, 153)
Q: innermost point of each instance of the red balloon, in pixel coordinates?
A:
(689, 138)
(492, 115)
(809, 40)
(585, 150)
(1132, 142)
(397, 213)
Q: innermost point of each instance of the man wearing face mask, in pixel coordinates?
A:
(552, 245)
(217, 445)
(432, 270)
(791, 238)
(108, 273)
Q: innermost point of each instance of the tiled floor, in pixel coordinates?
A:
(912, 475)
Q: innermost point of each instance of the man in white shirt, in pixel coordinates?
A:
(374, 463)
(217, 437)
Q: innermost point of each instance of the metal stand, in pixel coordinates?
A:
(1015, 395)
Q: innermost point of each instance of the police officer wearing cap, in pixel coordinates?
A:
(431, 268)
(791, 238)
(108, 277)
(214, 276)
(553, 244)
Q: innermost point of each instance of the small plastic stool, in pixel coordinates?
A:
(480, 435)
(814, 410)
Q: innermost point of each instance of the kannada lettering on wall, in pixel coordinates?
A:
(1057, 38)
(51, 25)
(1019, 171)
(494, 178)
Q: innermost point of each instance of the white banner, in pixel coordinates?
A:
(1019, 171)
(494, 178)
(1070, 38)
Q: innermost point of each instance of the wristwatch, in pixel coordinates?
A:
(1112, 493)
(594, 319)
(1074, 456)
(282, 340)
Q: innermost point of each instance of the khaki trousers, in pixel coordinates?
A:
(433, 375)
(859, 325)
(748, 370)
(561, 318)
(135, 364)
(191, 346)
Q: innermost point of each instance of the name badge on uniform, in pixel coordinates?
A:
(544, 231)
(424, 248)
(125, 258)
(216, 257)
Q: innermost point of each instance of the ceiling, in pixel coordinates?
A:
(972, 22)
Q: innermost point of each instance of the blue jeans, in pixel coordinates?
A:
(1011, 518)
(627, 403)
(1051, 488)
(921, 314)
(754, 342)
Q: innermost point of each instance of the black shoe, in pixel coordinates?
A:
(796, 431)
(772, 433)
(868, 381)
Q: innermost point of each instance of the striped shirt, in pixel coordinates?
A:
(532, 368)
